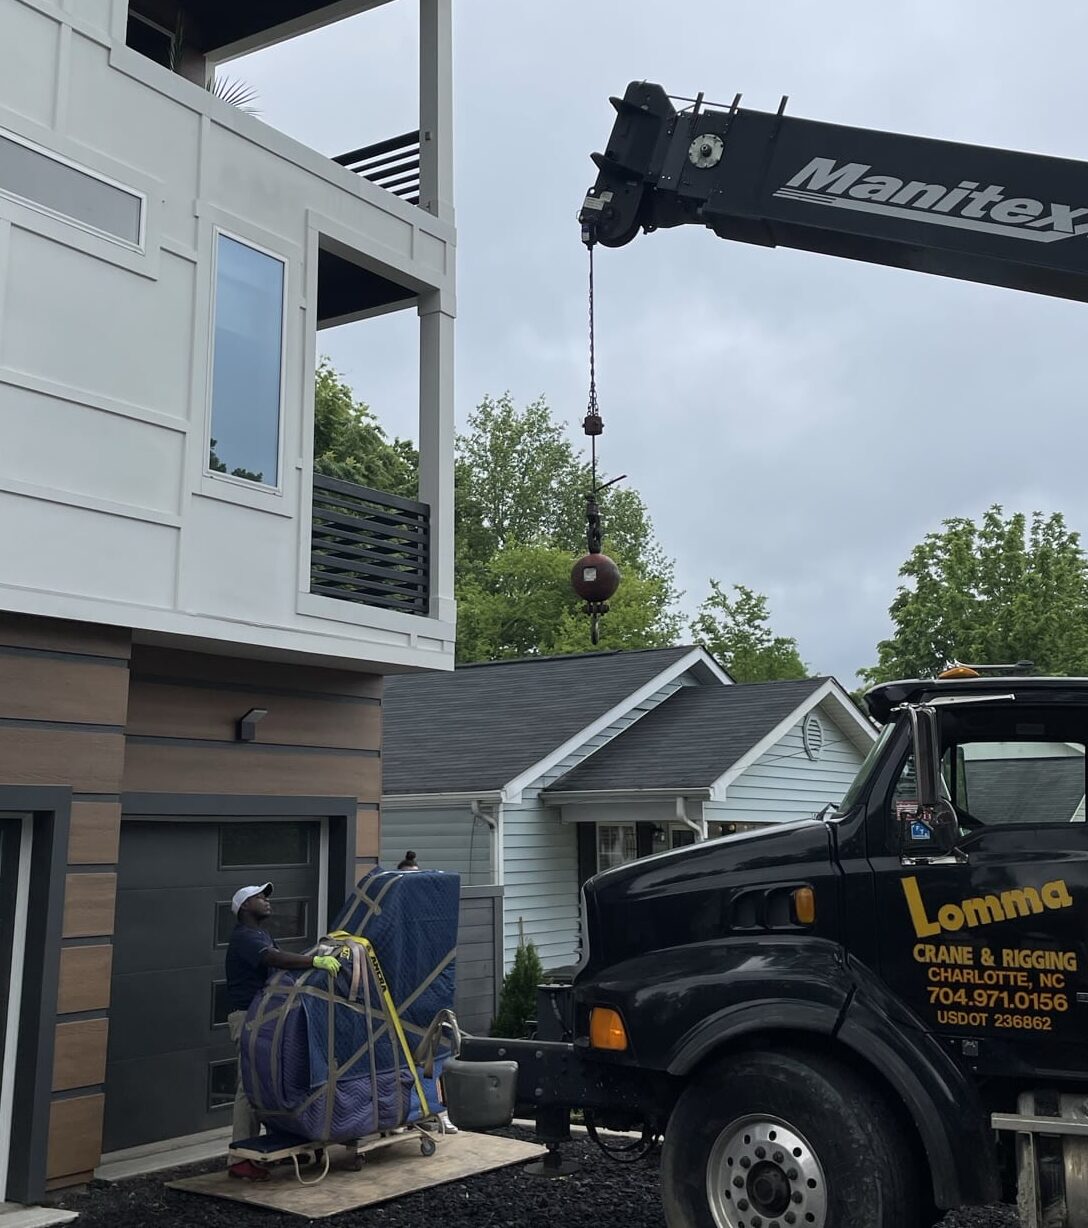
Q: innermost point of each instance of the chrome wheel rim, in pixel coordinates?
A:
(763, 1173)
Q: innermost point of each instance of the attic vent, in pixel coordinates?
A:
(813, 735)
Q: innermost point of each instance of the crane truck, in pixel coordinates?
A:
(862, 1019)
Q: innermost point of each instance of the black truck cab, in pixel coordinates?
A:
(879, 987)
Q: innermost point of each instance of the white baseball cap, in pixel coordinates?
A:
(247, 893)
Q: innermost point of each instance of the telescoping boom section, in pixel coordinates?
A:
(966, 211)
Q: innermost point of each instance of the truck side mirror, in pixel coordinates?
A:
(931, 829)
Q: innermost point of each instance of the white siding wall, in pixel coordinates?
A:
(104, 357)
(446, 838)
(541, 882)
(784, 783)
(541, 855)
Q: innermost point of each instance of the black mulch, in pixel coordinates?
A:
(601, 1194)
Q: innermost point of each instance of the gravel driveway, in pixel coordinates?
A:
(602, 1193)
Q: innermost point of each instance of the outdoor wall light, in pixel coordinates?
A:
(247, 726)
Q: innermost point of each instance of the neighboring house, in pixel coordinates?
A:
(535, 774)
(193, 627)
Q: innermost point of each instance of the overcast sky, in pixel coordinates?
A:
(794, 422)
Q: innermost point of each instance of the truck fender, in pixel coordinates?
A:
(942, 1102)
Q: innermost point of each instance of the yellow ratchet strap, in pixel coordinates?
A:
(387, 1000)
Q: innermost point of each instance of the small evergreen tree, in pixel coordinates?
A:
(517, 1002)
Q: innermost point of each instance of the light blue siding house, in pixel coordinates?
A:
(530, 776)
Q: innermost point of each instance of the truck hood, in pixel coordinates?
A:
(687, 896)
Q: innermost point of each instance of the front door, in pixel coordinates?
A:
(989, 945)
(171, 1066)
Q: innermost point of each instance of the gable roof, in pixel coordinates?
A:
(691, 739)
(482, 726)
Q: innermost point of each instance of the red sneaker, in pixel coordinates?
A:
(246, 1170)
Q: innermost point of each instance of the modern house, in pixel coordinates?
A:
(533, 775)
(194, 628)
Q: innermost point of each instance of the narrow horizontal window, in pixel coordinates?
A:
(39, 179)
(247, 364)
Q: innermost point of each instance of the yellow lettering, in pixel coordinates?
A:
(984, 911)
(1021, 902)
(950, 917)
(1056, 895)
(923, 927)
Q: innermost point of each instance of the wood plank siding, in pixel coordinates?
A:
(86, 713)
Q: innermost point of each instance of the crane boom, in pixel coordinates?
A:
(966, 211)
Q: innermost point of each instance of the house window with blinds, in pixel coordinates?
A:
(616, 844)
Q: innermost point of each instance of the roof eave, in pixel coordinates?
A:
(581, 796)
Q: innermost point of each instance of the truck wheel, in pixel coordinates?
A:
(778, 1140)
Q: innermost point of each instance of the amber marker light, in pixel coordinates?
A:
(606, 1030)
(804, 905)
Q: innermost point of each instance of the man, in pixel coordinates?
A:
(251, 954)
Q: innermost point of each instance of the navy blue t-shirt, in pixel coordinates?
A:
(246, 971)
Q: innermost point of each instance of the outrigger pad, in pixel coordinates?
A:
(327, 1059)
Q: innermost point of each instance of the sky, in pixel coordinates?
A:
(794, 422)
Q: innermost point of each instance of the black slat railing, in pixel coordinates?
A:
(392, 164)
(370, 547)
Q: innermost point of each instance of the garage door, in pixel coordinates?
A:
(171, 1066)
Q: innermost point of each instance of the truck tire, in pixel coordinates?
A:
(787, 1140)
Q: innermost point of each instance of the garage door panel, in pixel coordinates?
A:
(174, 1009)
(167, 854)
(165, 1096)
(173, 925)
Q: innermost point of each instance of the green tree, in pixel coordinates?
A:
(1008, 589)
(349, 442)
(517, 1001)
(521, 488)
(735, 630)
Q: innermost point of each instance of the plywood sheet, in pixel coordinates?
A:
(389, 1173)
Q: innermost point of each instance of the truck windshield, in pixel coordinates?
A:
(871, 759)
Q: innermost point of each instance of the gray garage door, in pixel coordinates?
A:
(171, 1068)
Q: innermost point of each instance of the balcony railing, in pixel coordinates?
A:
(392, 164)
(369, 547)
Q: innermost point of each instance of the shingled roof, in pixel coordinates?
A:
(691, 739)
(481, 726)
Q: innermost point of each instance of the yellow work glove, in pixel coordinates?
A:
(327, 963)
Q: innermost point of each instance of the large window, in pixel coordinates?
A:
(38, 178)
(247, 367)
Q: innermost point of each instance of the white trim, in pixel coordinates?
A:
(432, 801)
(830, 688)
(498, 870)
(584, 796)
(696, 657)
(323, 877)
(27, 202)
(15, 996)
(269, 488)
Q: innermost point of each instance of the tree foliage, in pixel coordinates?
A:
(349, 442)
(521, 487)
(736, 631)
(1005, 590)
(517, 1000)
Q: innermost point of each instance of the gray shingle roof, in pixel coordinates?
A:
(690, 739)
(481, 726)
(1046, 790)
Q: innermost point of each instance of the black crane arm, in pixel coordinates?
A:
(979, 214)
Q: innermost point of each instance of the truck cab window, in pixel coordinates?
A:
(1004, 780)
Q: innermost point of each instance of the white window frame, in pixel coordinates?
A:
(268, 488)
(67, 218)
(621, 827)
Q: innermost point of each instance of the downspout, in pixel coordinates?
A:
(492, 821)
(699, 825)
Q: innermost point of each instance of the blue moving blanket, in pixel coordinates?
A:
(321, 1059)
